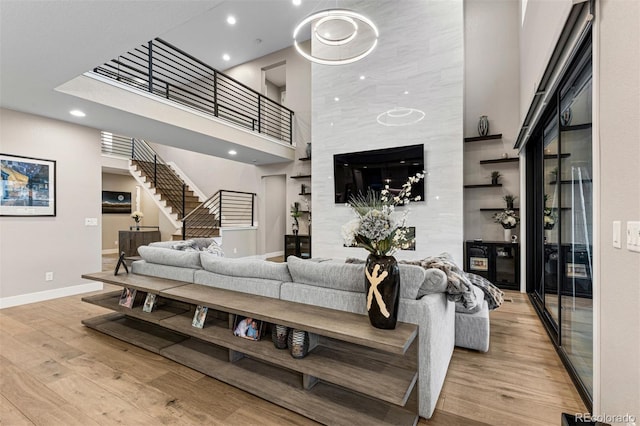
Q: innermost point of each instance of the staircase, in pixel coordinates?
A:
(172, 194)
(192, 217)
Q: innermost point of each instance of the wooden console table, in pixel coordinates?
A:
(356, 375)
(129, 241)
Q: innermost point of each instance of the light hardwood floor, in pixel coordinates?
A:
(54, 371)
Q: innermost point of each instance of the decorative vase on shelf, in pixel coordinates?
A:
(279, 334)
(298, 342)
(483, 125)
(382, 283)
(507, 234)
(509, 205)
(137, 225)
(308, 150)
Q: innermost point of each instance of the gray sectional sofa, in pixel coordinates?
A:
(336, 285)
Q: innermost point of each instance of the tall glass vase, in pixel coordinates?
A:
(382, 283)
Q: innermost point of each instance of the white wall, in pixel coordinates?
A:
(276, 213)
(492, 88)
(31, 246)
(618, 75)
(420, 50)
(298, 84)
(541, 27)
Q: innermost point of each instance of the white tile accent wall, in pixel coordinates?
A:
(420, 51)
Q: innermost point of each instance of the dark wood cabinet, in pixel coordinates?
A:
(497, 261)
(297, 245)
(129, 241)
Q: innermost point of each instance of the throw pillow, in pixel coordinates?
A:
(186, 245)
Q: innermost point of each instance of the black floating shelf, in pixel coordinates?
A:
(301, 177)
(498, 210)
(483, 138)
(566, 182)
(304, 193)
(501, 160)
(576, 127)
(554, 156)
(305, 159)
(484, 185)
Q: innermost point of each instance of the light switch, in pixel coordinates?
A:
(633, 236)
(616, 234)
(90, 221)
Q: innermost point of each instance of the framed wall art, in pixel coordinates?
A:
(27, 187)
(116, 202)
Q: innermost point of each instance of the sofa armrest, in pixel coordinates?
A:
(435, 317)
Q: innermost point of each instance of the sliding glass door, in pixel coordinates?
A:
(560, 205)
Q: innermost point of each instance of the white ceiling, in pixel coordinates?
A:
(46, 43)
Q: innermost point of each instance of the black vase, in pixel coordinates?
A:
(382, 283)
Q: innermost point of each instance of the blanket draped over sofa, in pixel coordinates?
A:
(459, 283)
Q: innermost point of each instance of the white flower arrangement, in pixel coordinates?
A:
(378, 228)
(507, 218)
(137, 215)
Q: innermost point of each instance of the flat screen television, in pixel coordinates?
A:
(357, 172)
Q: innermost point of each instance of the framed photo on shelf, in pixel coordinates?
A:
(248, 328)
(149, 302)
(200, 316)
(27, 187)
(127, 297)
(478, 263)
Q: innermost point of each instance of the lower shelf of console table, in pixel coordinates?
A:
(356, 374)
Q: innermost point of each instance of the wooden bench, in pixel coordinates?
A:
(355, 374)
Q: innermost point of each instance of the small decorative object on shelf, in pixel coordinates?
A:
(566, 116)
(509, 199)
(381, 231)
(137, 215)
(495, 177)
(308, 150)
(247, 328)
(505, 155)
(279, 335)
(298, 342)
(483, 125)
(295, 214)
(149, 302)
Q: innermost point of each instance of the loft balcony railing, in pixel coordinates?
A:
(166, 71)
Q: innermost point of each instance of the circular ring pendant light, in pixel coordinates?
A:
(349, 45)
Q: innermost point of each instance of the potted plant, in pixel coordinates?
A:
(495, 176)
(508, 219)
(380, 230)
(509, 199)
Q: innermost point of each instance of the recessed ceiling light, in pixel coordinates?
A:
(226, 57)
(296, 2)
(231, 20)
(232, 152)
(406, 92)
(336, 99)
(77, 113)
(362, 77)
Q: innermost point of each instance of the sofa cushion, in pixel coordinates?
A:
(167, 256)
(248, 268)
(259, 286)
(143, 267)
(349, 277)
(435, 281)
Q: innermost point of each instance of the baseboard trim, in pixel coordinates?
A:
(110, 251)
(41, 296)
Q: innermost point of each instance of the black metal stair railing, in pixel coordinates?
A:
(166, 71)
(167, 183)
(223, 209)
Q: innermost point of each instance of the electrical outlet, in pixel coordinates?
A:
(48, 276)
(90, 221)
